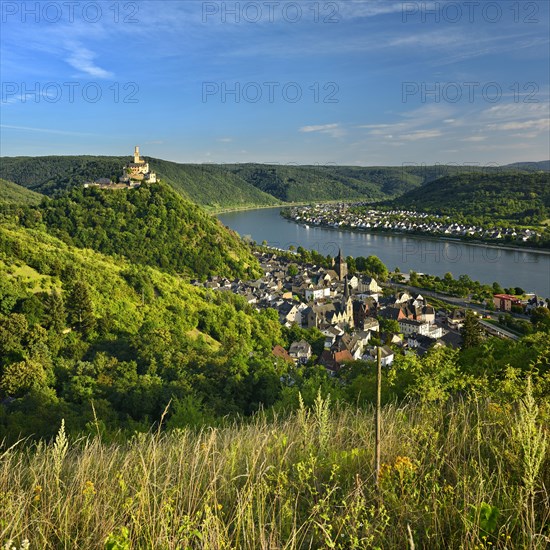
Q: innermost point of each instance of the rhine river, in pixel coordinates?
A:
(526, 269)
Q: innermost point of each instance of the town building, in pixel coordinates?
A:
(300, 351)
(279, 351)
(387, 355)
(504, 302)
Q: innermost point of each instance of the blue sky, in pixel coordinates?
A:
(346, 82)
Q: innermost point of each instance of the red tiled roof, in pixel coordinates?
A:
(279, 351)
(507, 297)
(341, 356)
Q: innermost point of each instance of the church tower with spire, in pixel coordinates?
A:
(341, 266)
(347, 303)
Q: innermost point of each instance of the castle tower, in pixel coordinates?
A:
(341, 266)
(137, 160)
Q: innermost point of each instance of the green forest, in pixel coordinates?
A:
(11, 193)
(522, 199)
(151, 225)
(219, 186)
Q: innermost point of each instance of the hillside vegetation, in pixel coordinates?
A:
(454, 475)
(218, 186)
(306, 183)
(541, 166)
(522, 198)
(11, 193)
(47, 175)
(82, 331)
(151, 225)
(212, 186)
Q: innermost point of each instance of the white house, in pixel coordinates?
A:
(317, 293)
(386, 355)
(422, 328)
(410, 326)
(300, 351)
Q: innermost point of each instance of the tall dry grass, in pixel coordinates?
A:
(463, 475)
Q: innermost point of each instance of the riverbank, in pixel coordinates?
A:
(431, 237)
(528, 270)
(216, 211)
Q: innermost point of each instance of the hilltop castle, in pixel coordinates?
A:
(133, 174)
(137, 171)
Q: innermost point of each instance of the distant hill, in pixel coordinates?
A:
(50, 174)
(212, 186)
(543, 165)
(151, 225)
(307, 183)
(218, 186)
(522, 198)
(11, 193)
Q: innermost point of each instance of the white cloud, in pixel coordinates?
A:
(372, 8)
(225, 140)
(318, 128)
(428, 40)
(512, 111)
(475, 138)
(525, 135)
(375, 126)
(334, 130)
(82, 59)
(383, 129)
(540, 125)
(45, 130)
(421, 134)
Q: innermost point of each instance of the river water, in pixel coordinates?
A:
(526, 269)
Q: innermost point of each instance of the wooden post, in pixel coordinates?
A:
(377, 414)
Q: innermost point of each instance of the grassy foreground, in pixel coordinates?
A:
(460, 475)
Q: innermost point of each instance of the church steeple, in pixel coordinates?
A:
(347, 303)
(341, 266)
(346, 288)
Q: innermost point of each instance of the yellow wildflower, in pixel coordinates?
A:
(385, 470)
(89, 489)
(404, 465)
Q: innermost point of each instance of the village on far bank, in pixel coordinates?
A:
(356, 314)
(361, 216)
